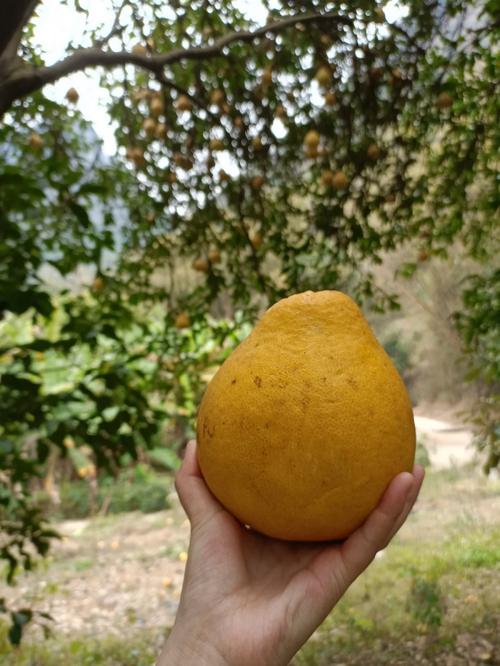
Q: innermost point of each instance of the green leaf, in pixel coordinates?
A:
(21, 300)
(165, 457)
(93, 188)
(19, 620)
(81, 214)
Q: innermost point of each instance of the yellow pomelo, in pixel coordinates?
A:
(306, 423)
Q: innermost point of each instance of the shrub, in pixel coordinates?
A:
(134, 490)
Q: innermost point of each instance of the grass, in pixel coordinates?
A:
(399, 609)
(136, 650)
(433, 595)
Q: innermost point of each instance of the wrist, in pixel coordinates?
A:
(189, 650)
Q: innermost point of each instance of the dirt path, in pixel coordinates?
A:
(448, 444)
(110, 573)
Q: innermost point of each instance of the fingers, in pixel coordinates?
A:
(361, 547)
(418, 476)
(196, 499)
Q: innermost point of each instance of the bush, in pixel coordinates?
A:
(400, 354)
(425, 601)
(422, 455)
(134, 490)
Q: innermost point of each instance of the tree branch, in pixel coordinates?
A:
(28, 80)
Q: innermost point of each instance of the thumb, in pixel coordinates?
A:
(196, 499)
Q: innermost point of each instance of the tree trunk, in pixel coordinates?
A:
(13, 16)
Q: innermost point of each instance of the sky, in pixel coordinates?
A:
(93, 99)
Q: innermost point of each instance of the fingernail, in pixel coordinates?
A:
(188, 447)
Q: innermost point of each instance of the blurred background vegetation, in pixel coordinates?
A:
(251, 152)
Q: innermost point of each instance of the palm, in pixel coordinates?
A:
(255, 581)
(252, 560)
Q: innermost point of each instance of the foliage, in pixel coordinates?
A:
(138, 489)
(421, 454)
(286, 158)
(133, 650)
(426, 602)
(399, 353)
(479, 324)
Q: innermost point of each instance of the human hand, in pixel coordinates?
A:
(250, 600)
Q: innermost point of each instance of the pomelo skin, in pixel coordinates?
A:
(306, 423)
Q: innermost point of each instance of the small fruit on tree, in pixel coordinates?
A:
(183, 103)
(324, 76)
(149, 126)
(396, 77)
(373, 152)
(161, 131)
(183, 161)
(72, 95)
(182, 320)
(36, 142)
(217, 97)
(267, 77)
(312, 152)
(257, 144)
(140, 50)
(330, 98)
(98, 284)
(140, 95)
(201, 265)
(340, 180)
(280, 112)
(256, 239)
(216, 144)
(327, 178)
(156, 106)
(257, 182)
(312, 139)
(137, 156)
(444, 101)
(214, 256)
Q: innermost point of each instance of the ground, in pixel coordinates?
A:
(433, 597)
